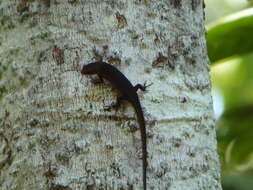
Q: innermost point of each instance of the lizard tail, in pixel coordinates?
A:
(141, 122)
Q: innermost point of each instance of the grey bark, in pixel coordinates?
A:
(54, 133)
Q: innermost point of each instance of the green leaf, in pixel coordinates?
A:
(231, 36)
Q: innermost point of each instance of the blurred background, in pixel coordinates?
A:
(229, 26)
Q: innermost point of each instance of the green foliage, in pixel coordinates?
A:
(231, 36)
(236, 182)
(235, 131)
(230, 44)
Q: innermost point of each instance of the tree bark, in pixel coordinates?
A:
(54, 133)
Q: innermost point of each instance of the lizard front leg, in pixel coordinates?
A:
(142, 87)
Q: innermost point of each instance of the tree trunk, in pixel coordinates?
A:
(54, 132)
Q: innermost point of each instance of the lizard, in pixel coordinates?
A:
(129, 93)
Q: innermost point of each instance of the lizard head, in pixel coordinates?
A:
(90, 69)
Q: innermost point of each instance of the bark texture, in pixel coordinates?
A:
(54, 133)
